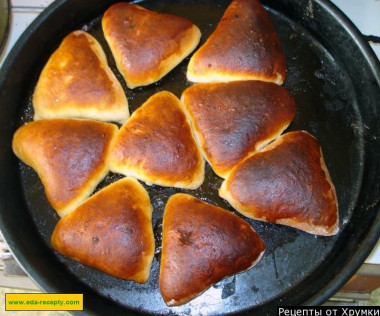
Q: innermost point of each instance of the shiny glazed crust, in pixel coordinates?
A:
(286, 183)
(111, 231)
(69, 155)
(233, 120)
(244, 46)
(76, 82)
(146, 45)
(201, 245)
(156, 145)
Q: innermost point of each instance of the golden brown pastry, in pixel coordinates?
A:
(244, 46)
(146, 45)
(286, 183)
(69, 155)
(76, 82)
(201, 245)
(156, 145)
(111, 231)
(233, 120)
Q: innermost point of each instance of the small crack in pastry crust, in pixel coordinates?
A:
(233, 120)
(286, 183)
(111, 231)
(76, 82)
(201, 245)
(244, 46)
(69, 155)
(156, 145)
(146, 45)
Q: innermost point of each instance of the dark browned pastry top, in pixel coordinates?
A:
(244, 46)
(156, 145)
(69, 155)
(77, 82)
(111, 231)
(147, 44)
(202, 244)
(235, 119)
(286, 183)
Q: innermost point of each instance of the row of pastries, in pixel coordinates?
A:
(233, 119)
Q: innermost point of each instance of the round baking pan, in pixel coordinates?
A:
(334, 77)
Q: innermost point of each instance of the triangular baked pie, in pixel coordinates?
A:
(233, 120)
(146, 45)
(201, 245)
(111, 231)
(156, 145)
(76, 82)
(286, 183)
(69, 155)
(244, 46)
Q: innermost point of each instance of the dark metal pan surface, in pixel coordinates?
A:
(334, 76)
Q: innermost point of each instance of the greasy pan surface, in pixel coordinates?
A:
(335, 79)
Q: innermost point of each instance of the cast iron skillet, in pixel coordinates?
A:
(334, 77)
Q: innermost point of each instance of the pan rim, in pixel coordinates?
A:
(373, 236)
